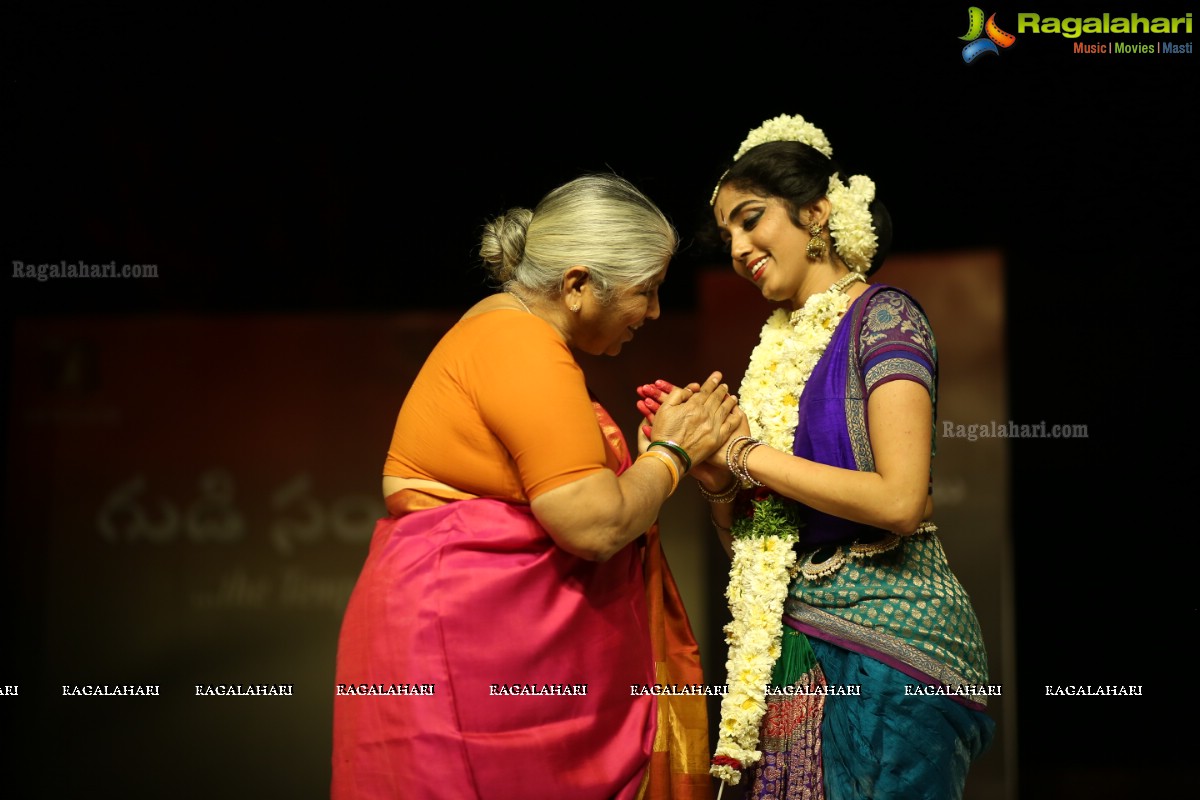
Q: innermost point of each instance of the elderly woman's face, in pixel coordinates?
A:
(604, 329)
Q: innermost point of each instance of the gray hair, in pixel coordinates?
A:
(599, 221)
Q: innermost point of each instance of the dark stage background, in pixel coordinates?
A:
(175, 444)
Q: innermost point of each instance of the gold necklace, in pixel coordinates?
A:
(519, 300)
(844, 282)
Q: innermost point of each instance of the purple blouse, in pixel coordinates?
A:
(884, 336)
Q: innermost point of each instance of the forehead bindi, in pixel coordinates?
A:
(737, 204)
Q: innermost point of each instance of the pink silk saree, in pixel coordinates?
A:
(478, 659)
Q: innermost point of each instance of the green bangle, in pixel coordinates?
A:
(677, 450)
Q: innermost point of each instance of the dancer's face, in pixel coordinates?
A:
(766, 247)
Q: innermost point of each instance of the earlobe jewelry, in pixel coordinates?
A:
(574, 308)
(816, 243)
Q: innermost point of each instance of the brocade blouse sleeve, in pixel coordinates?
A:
(896, 343)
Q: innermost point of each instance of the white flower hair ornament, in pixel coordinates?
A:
(850, 222)
(786, 128)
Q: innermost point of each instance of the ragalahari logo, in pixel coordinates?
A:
(976, 27)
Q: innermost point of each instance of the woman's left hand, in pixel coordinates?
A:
(652, 395)
(712, 473)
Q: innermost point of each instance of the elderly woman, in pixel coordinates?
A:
(516, 593)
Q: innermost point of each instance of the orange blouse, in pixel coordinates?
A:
(499, 409)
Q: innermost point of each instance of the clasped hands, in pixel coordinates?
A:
(706, 414)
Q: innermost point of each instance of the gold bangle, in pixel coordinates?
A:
(723, 496)
(659, 455)
(729, 458)
(743, 458)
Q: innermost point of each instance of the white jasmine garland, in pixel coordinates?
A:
(789, 347)
(758, 583)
